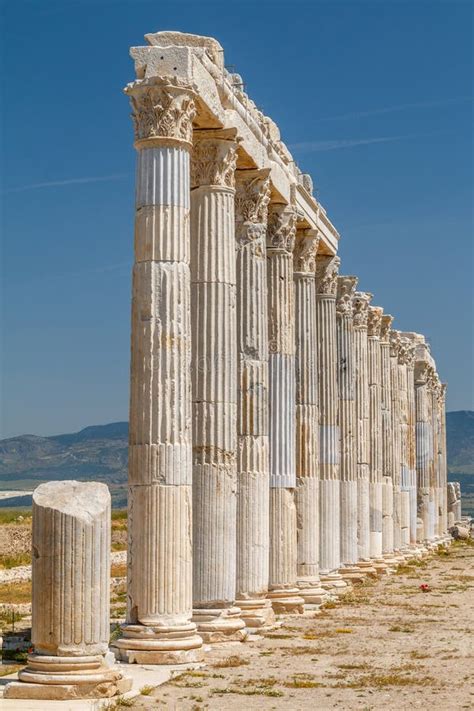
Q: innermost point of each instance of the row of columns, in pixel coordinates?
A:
(268, 397)
(284, 439)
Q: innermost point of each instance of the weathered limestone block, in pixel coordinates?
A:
(71, 592)
(307, 424)
(346, 286)
(360, 304)
(281, 323)
(253, 466)
(214, 385)
(159, 629)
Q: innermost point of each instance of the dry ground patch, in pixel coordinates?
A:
(387, 645)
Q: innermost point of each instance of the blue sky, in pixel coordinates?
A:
(374, 100)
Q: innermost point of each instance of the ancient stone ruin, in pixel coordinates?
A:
(285, 439)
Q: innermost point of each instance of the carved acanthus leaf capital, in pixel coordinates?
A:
(421, 372)
(281, 230)
(162, 109)
(374, 321)
(387, 321)
(395, 341)
(304, 254)
(327, 270)
(213, 160)
(406, 352)
(360, 308)
(252, 196)
(346, 286)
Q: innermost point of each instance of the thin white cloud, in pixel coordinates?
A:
(70, 181)
(338, 143)
(399, 107)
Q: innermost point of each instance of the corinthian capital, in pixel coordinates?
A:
(304, 254)
(387, 321)
(360, 308)
(421, 372)
(163, 110)
(405, 351)
(252, 196)
(374, 321)
(214, 158)
(327, 268)
(346, 286)
(281, 227)
(395, 340)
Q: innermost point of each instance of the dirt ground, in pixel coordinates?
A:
(387, 645)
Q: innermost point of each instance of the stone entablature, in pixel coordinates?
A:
(184, 74)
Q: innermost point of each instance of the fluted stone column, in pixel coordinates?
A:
(387, 435)
(394, 339)
(214, 384)
(346, 286)
(375, 430)
(453, 494)
(451, 501)
(403, 355)
(411, 460)
(71, 596)
(360, 304)
(424, 451)
(435, 423)
(253, 467)
(443, 460)
(307, 423)
(283, 591)
(329, 454)
(159, 627)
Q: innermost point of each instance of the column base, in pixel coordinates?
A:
(391, 560)
(352, 574)
(149, 644)
(257, 614)
(334, 583)
(286, 601)
(367, 567)
(312, 591)
(217, 625)
(381, 566)
(63, 678)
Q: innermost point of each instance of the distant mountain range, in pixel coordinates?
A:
(100, 453)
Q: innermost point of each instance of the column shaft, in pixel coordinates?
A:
(375, 429)
(329, 455)
(281, 319)
(307, 425)
(159, 628)
(412, 443)
(71, 593)
(253, 491)
(346, 286)
(394, 338)
(361, 302)
(387, 434)
(424, 451)
(214, 383)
